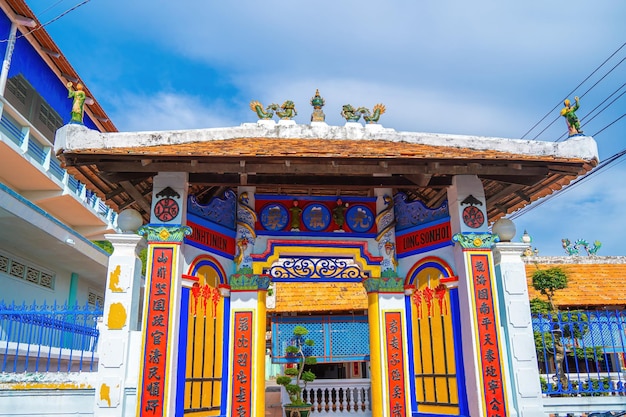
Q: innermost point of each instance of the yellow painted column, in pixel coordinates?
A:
(246, 394)
(389, 357)
(376, 365)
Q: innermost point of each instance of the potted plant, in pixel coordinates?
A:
(294, 376)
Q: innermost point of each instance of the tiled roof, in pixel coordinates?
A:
(319, 148)
(319, 296)
(589, 284)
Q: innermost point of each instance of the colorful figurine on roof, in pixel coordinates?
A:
(266, 114)
(370, 118)
(317, 102)
(569, 112)
(288, 110)
(353, 115)
(78, 104)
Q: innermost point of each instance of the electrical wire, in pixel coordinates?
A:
(564, 135)
(571, 92)
(71, 9)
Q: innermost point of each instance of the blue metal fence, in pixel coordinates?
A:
(582, 352)
(48, 338)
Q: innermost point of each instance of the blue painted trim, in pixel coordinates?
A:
(182, 351)
(411, 347)
(225, 355)
(216, 266)
(438, 415)
(262, 232)
(425, 249)
(208, 249)
(269, 198)
(211, 226)
(413, 229)
(431, 264)
(317, 280)
(38, 210)
(458, 351)
(361, 245)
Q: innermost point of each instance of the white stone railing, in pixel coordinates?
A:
(337, 397)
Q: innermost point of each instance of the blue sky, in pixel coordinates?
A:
(482, 68)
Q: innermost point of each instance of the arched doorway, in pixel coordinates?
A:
(319, 285)
(203, 361)
(435, 353)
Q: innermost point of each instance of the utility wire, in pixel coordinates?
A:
(604, 165)
(597, 114)
(71, 9)
(571, 92)
(583, 95)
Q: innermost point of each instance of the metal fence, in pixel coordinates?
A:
(581, 353)
(48, 338)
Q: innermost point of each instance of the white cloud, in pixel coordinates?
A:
(167, 111)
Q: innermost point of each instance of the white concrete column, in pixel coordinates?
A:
(483, 350)
(121, 309)
(517, 329)
(157, 387)
(462, 187)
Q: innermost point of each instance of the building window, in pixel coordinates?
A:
(18, 87)
(94, 298)
(49, 117)
(26, 271)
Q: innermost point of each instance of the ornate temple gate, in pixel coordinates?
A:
(203, 353)
(434, 341)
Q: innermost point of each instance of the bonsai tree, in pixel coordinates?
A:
(547, 281)
(293, 376)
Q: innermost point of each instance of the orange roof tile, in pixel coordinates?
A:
(319, 296)
(589, 284)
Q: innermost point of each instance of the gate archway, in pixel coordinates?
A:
(203, 358)
(434, 339)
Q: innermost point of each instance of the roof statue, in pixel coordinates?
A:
(78, 104)
(288, 111)
(317, 102)
(266, 114)
(379, 109)
(569, 112)
(574, 249)
(351, 115)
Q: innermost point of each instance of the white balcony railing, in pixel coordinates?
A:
(337, 397)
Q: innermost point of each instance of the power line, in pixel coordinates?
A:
(606, 164)
(71, 9)
(571, 92)
(585, 93)
(600, 112)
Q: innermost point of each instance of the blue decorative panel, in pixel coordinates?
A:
(337, 338)
(320, 269)
(316, 217)
(274, 217)
(219, 210)
(415, 213)
(360, 218)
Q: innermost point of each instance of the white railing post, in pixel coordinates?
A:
(338, 397)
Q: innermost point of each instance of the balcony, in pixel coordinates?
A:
(30, 167)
